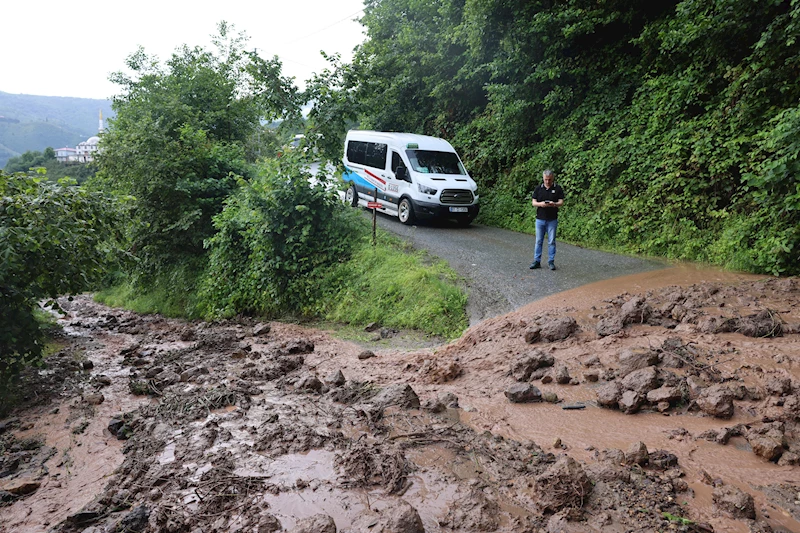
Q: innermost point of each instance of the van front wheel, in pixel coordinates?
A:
(405, 211)
(351, 196)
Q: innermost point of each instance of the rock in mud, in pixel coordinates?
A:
(522, 393)
(716, 401)
(524, 365)
(564, 484)
(609, 326)
(22, 487)
(664, 394)
(320, 523)
(779, 385)
(336, 379)
(135, 521)
(94, 399)
(662, 460)
(261, 329)
(474, 512)
(533, 334)
(637, 454)
(399, 518)
(608, 395)
(632, 359)
(734, 502)
(398, 394)
(559, 329)
(366, 354)
(309, 382)
(630, 402)
(635, 311)
(642, 381)
(768, 441)
(562, 376)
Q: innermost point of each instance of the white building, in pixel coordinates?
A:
(84, 152)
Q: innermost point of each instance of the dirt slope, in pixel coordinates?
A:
(148, 424)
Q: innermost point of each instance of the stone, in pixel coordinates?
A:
(397, 394)
(94, 399)
(642, 381)
(562, 376)
(716, 401)
(592, 376)
(608, 395)
(449, 400)
(637, 454)
(559, 329)
(767, 441)
(609, 326)
(522, 393)
(635, 359)
(320, 523)
(662, 460)
(309, 382)
(366, 354)
(734, 502)
(635, 311)
(88, 365)
(336, 379)
(524, 365)
(630, 402)
(399, 518)
(533, 334)
(135, 521)
(664, 394)
(564, 484)
(261, 329)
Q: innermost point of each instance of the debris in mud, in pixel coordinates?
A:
(254, 427)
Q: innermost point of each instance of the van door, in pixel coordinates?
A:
(403, 185)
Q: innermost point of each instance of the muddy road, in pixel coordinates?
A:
(662, 401)
(495, 263)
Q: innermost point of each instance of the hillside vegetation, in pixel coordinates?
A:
(33, 123)
(672, 125)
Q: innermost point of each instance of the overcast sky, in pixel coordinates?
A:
(70, 48)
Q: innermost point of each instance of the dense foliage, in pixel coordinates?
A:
(275, 239)
(183, 135)
(672, 125)
(55, 239)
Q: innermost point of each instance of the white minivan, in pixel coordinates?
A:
(416, 176)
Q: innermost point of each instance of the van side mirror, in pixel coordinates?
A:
(401, 173)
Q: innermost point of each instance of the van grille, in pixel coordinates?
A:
(456, 196)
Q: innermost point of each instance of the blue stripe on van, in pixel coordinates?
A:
(351, 175)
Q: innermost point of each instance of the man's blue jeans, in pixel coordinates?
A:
(542, 227)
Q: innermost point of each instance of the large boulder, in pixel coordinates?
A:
(522, 393)
(716, 401)
(320, 523)
(635, 311)
(558, 329)
(767, 441)
(524, 365)
(642, 381)
(398, 394)
(734, 502)
(635, 359)
(609, 394)
(564, 484)
(665, 394)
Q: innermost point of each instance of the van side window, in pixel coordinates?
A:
(397, 161)
(366, 153)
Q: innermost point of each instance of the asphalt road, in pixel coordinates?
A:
(495, 263)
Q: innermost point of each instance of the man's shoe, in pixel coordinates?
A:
(552, 265)
(535, 265)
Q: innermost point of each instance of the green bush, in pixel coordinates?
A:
(55, 239)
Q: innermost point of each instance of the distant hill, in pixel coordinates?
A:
(29, 122)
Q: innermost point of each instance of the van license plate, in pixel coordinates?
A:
(459, 209)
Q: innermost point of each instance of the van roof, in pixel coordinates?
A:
(396, 139)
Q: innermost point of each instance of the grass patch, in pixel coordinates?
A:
(170, 303)
(397, 287)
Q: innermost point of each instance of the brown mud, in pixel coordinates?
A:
(665, 401)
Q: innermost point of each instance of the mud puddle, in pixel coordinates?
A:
(665, 401)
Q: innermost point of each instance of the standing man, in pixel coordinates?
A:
(547, 197)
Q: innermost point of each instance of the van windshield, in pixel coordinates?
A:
(430, 162)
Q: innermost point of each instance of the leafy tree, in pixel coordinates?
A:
(55, 239)
(276, 237)
(183, 133)
(30, 159)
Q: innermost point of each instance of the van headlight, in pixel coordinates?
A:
(425, 189)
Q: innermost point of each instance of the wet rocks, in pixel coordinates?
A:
(734, 502)
(336, 379)
(94, 399)
(523, 393)
(716, 401)
(366, 354)
(399, 518)
(608, 395)
(630, 402)
(135, 521)
(768, 441)
(633, 359)
(637, 454)
(558, 329)
(260, 330)
(609, 326)
(635, 311)
(399, 394)
(564, 484)
(641, 381)
(523, 366)
(320, 523)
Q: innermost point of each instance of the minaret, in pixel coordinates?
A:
(101, 121)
